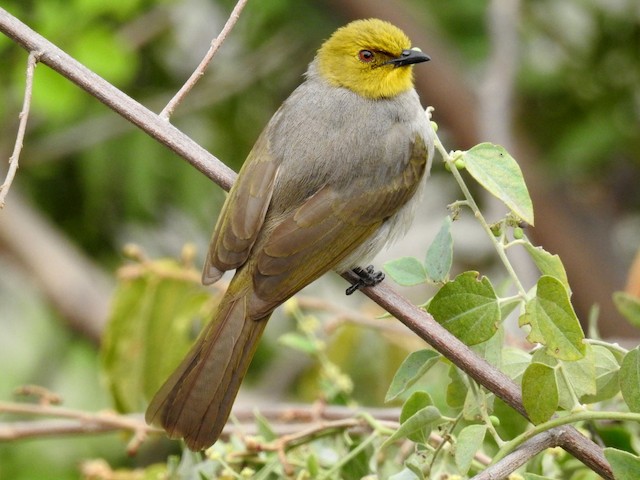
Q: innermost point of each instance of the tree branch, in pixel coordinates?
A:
(118, 101)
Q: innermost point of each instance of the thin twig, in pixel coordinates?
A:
(292, 423)
(198, 73)
(121, 103)
(516, 459)
(32, 61)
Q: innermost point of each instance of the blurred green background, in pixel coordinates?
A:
(563, 77)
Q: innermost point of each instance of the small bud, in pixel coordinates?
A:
(495, 421)
(459, 163)
(518, 233)
(496, 229)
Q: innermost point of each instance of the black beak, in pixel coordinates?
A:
(409, 57)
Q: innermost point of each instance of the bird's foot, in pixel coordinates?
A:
(367, 277)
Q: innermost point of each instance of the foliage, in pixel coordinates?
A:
(565, 377)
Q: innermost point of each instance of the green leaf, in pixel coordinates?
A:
(630, 379)
(539, 392)
(491, 349)
(414, 404)
(625, 465)
(629, 306)
(607, 369)
(553, 321)
(548, 264)
(467, 307)
(498, 172)
(151, 326)
(440, 254)
(457, 388)
(414, 366)
(418, 426)
(475, 403)
(514, 362)
(578, 380)
(357, 467)
(406, 271)
(469, 442)
(533, 476)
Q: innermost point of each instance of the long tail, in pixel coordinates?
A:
(195, 402)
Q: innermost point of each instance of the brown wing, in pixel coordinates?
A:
(243, 213)
(327, 227)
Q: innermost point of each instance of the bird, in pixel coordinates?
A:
(334, 176)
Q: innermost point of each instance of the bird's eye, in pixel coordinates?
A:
(366, 56)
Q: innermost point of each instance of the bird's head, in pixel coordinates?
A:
(371, 57)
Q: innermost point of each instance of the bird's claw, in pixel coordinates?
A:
(367, 277)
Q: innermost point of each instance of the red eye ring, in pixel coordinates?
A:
(366, 56)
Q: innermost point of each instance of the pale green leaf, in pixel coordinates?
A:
(406, 271)
(575, 379)
(630, 379)
(153, 320)
(548, 264)
(456, 389)
(498, 172)
(418, 425)
(414, 404)
(469, 442)
(491, 349)
(514, 362)
(539, 392)
(440, 254)
(467, 307)
(625, 465)
(607, 370)
(474, 405)
(629, 306)
(553, 321)
(414, 366)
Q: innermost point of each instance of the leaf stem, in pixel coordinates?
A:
(511, 445)
(473, 206)
(607, 345)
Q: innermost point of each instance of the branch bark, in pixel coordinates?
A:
(118, 101)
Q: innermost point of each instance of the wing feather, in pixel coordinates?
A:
(327, 227)
(243, 213)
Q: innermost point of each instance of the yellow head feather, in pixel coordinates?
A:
(344, 62)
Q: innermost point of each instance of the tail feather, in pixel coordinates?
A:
(196, 400)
